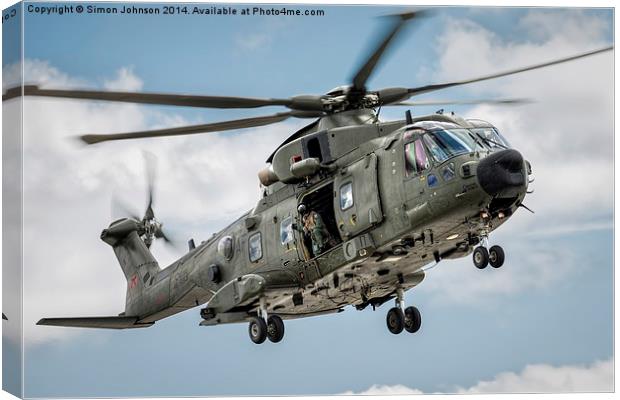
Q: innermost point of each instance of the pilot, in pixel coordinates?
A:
(314, 228)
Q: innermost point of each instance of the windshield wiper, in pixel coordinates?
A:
(475, 139)
(487, 140)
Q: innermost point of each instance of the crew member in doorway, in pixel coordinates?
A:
(315, 229)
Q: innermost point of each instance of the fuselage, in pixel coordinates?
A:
(392, 200)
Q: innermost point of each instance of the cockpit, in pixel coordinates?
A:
(446, 141)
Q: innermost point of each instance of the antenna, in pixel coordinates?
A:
(408, 117)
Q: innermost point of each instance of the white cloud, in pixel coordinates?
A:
(536, 378)
(386, 390)
(125, 80)
(543, 378)
(203, 183)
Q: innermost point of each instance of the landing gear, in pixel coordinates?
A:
(275, 328)
(481, 257)
(413, 319)
(496, 256)
(397, 320)
(265, 326)
(258, 330)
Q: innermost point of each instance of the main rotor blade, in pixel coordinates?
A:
(461, 102)
(184, 100)
(364, 72)
(430, 88)
(203, 128)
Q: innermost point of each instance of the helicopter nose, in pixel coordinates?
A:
(502, 174)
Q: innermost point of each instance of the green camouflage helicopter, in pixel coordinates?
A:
(353, 211)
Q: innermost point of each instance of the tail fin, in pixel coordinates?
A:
(137, 262)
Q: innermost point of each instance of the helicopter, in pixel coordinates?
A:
(353, 210)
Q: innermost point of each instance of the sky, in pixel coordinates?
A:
(542, 323)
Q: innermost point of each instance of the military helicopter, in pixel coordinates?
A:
(353, 210)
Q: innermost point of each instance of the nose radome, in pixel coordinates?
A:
(502, 174)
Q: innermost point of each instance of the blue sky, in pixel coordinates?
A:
(550, 304)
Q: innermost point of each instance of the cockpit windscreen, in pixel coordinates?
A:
(445, 144)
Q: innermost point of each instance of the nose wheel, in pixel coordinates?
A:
(398, 320)
(483, 257)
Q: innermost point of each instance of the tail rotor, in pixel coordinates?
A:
(149, 227)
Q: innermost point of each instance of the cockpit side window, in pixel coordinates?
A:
(416, 159)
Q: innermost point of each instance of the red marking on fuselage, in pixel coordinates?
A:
(133, 282)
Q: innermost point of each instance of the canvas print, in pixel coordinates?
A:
(207, 199)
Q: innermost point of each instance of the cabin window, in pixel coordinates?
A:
(255, 247)
(416, 159)
(225, 247)
(346, 196)
(286, 230)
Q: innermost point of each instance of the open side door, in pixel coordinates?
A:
(356, 197)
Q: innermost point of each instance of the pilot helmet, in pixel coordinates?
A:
(301, 208)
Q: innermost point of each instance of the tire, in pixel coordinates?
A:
(481, 257)
(395, 320)
(275, 328)
(413, 319)
(496, 256)
(257, 330)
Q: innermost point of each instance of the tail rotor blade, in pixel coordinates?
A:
(119, 210)
(150, 166)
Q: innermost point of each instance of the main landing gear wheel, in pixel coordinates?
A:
(481, 257)
(258, 330)
(413, 319)
(275, 328)
(496, 256)
(395, 320)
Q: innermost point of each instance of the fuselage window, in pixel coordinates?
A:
(416, 159)
(346, 196)
(225, 247)
(286, 230)
(255, 247)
